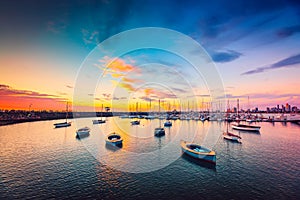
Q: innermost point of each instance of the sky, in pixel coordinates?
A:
(45, 45)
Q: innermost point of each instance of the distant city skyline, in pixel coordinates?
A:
(144, 107)
(254, 46)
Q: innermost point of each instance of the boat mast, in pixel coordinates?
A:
(159, 106)
(150, 107)
(159, 112)
(101, 111)
(238, 107)
(180, 106)
(202, 106)
(140, 107)
(248, 106)
(67, 112)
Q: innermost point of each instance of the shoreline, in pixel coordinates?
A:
(14, 119)
(19, 121)
(7, 122)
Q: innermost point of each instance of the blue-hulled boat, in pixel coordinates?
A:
(136, 122)
(114, 139)
(198, 152)
(83, 132)
(99, 121)
(159, 132)
(168, 124)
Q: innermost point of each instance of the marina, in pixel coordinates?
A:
(41, 150)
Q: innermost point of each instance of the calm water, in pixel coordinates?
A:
(38, 161)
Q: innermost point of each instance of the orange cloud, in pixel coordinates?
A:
(119, 65)
(116, 67)
(149, 91)
(130, 80)
(127, 86)
(158, 93)
(115, 75)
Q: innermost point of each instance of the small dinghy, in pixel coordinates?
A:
(232, 138)
(136, 122)
(99, 121)
(159, 132)
(83, 132)
(198, 152)
(168, 124)
(114, 139)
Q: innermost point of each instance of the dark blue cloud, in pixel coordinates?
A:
(288, 31)
(287, 62)
(225, 56)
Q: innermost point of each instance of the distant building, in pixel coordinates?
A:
(235, 109)
(287, 107)
(294, 109)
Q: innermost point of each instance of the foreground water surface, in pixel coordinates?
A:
(38, 161)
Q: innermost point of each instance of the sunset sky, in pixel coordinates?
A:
(255, 46)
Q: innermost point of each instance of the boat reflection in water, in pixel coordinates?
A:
(201, 163)
(113, 147)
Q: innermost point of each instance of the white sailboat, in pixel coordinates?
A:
(159, 131)
(167, 123)
(231, 136)
(244, 127)
(136, 122)
(63, 124)
(99, 121)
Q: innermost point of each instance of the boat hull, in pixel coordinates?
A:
(166, 124)
(135, 123)
(64, 124)
(159, 132)
(236, 127)
(232, 138)
(82, 134)
(99, 121)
